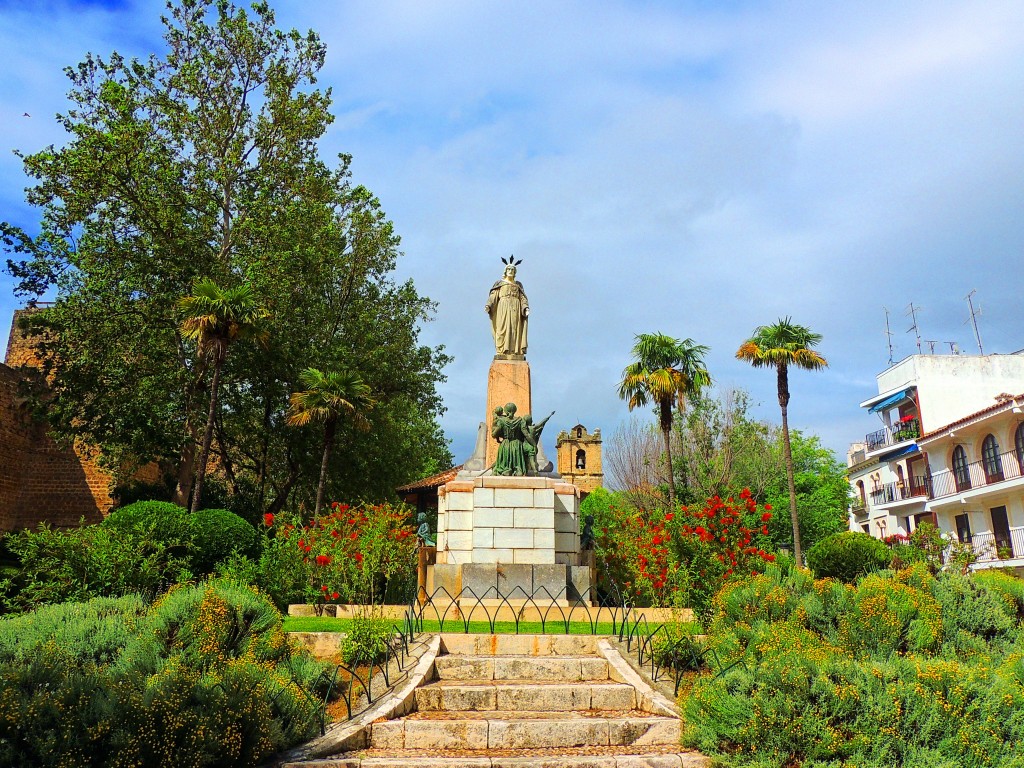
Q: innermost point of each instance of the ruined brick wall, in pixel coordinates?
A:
(40, 481)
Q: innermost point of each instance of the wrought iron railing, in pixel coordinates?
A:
(891, 492)
(989, 547)
(898, 433)
(977, 474)
(662, 651)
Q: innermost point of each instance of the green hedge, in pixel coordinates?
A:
(847, 556)
(205, 676)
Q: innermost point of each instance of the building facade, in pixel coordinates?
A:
(922, 464)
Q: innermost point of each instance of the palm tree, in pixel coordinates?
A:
(215, 318)
(326, 398)
(664, 371)
(780, 346)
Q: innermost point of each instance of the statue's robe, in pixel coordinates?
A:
(507, 305)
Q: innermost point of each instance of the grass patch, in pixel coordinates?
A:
(331, 624)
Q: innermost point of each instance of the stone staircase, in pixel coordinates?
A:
(526, 701)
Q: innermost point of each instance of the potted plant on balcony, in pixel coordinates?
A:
(906, 429)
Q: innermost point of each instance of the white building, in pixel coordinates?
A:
(945, 417)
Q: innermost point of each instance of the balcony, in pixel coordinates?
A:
(898, 433)
(893, 492)
(991, 548)
(977, 474)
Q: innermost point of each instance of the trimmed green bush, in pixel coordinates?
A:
(847, 556)
(216, 535)
(205, 676)
(157, 521)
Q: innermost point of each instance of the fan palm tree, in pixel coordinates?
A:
(215, 318)
(665, 371)
(781, 346)
(326, 398)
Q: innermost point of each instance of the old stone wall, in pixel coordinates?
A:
(39, 480)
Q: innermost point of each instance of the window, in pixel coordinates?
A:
(963, 528)
(1018, 444)
(579, 432)
(581, 459)
(990, 460)
(860, 492)
(960, 470)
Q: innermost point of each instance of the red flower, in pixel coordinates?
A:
(323, 560)
(268, 519)
(768, 507)
(766, 517)
(359, 557)
(334, 595)
(669, 517)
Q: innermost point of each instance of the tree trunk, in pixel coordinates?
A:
(186, 470)
(204, 454)
(666, 431)
(783, 380)
(328, 444)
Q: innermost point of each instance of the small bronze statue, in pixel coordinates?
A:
(587, 537)
(423, 532)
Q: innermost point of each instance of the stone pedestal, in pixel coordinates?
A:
(509, 537)
(507, 382)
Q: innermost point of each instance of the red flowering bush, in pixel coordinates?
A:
(350, 554)
(683, 557)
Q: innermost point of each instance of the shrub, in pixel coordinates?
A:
(847, 556)
(870, 675)
(1008, 587)
(204, 677)
(159, 521)
(367, 640)
(77, 564)
(216, 535)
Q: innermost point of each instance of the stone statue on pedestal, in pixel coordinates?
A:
(509, 309)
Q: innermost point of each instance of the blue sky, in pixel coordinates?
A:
(691, 168)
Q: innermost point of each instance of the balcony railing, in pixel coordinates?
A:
(903, 430)
(989, 547)
(977, 474)
(891, 492)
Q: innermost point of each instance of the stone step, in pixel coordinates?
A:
(587, 757)
(568, 669)
(494, 730)
(460, 696)
(520, 645)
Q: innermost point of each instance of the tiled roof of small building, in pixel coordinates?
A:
(433, 481)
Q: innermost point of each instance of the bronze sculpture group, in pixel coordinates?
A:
(517, 438)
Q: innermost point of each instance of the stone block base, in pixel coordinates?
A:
(542, 583)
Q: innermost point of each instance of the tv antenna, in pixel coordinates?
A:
(888, 333)
(912, 311)
(974, 319)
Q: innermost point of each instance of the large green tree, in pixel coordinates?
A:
(782, 346)
(198, 164)
(664, 372)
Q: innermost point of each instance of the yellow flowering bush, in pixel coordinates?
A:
(205, 676)
(900, 669)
